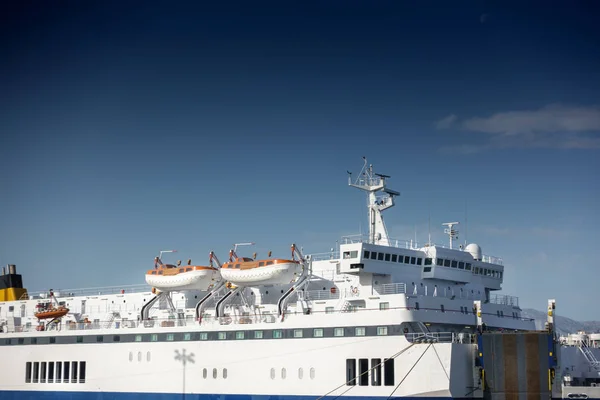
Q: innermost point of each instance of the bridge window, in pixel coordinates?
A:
(413, 260)
(468, 266)
(446, 263)
(387, 257)
(373, 255)
(440, 262)
(351, 372)
(454, 264)
(375, 371)
(406, 260)
(419, 261)
(428, 261)
(426, 269)
(380, 256)
(394, 257)
(461, 265)
(366, 254)
(363, 370)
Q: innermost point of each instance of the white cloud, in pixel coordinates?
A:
(553, 126)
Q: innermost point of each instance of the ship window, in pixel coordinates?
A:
(277, 334)
(312, 373)
(21, 340)
(350, 372)
(187, 336)
(406, 260)
(416, 305)
(283, 373)
(188, 269)
(58, 371)
(419, 261)
(384, 305)
(43, 372)
(11, 308)
(329, 310)
(203, 335)
(454, 264)
(215, 373)
(116, 338)
(7, 341)
(394, 257)
(170, 337)
(73, 371)
(338, 332)
(382, 330)
(298, 333)
(269, 262)
(28, 366)
(258, 334)
(366, 254)
(468, 266)
(440, 262)
(388, 371)
(66, 371)
(237, 265)
(373, 255)
(376, 371)
(81, 371)
(300, 373)
(153, 337)
(428, 261)
(51, 372)
(387, 257)
(363, 370)
(130, 356)
(148, 356)
(380, 256)
(413, 260)
(446, 263)
(79, 339)
(272, 373)
(180, 270)
(138, 338)
(204, 373)
(461, 265)
(239, 335)
(100, 339)
(224, 373)
(139, 356)
(360, 331)
(318, 332)
(426, 269)
(36, 372)
(52, 340)
(442, 308)
(354, 254)
(222, 335)
(261, 264)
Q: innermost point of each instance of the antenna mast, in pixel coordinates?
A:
(452, 233)
(372, 183)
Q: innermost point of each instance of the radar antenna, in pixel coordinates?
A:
(452, 233)
(372, 183)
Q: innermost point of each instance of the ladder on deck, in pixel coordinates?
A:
(589, 356)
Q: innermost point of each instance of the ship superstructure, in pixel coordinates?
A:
(376, 317)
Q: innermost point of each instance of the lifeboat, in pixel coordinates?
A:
(249, 272)
(54, 312)
(167, 277)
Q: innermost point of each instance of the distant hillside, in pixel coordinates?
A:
(564, 325)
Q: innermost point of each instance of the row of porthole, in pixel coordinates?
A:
(215, 373)
(300, 373)
(139, 356)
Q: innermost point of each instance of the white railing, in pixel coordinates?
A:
(504, 299)
(390, 288)
(439, 337)
(96, 291)
(319, 294)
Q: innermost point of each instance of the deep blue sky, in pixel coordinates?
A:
(127, 129)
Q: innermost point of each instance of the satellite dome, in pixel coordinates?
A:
(474, 250)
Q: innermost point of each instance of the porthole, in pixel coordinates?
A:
(148, 356)
(204, 373)
(130, 356)
(214, 373)
(300, 373)
(312, 373)
(272, 373)
(139, 356)
(224, 373)
(283, 373)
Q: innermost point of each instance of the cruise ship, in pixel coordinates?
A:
(376, 317)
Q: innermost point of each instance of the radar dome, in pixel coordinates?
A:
(474, 250)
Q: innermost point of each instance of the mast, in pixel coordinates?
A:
(372, 183)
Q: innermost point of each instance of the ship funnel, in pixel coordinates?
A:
(12, 269)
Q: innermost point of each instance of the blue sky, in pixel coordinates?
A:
(127, 129)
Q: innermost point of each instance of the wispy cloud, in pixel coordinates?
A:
(553, 126)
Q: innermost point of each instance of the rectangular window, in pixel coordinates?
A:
(36, 372)
(416, 305)
(261, 264)
(297, 333)
(351, 372)
(461, 265)
(51, 372)
(380, 256)
(454, 264)
(413, 260)
(442, 308)
(153, 337)
(428, 261)
(406, 260)
(366, 254)
(79, 339)
(222, 335)
(387, 257)
(170, 337)
(100, 339)
(43, 372)
(116, 338)
(74, 372)
(66, 371)
(81, 371)
(360, 331)
(363, 370)
(52, 340)
(318, 332)
(373, 255)
(382, 330)
(240, 335)
(354, 254)
(58, 372)
(187, 336)
(28, 366)
(384, 305)
(468, 266)
(203, 335)
(440, 262)
(388, 372)
(419, 261)
(394, 257)
(375, 371)
(277, 334)
(446, 263)
(476, 270)
(258, 334)
(338, 331)
(426, 269)
(329, 310)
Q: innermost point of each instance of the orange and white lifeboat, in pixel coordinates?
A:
(249, 272)
(169, 277)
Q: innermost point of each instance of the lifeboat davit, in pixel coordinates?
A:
(169, 277)
(249, 272)
(52, 313)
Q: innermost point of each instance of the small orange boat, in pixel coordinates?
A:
(52, 313)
